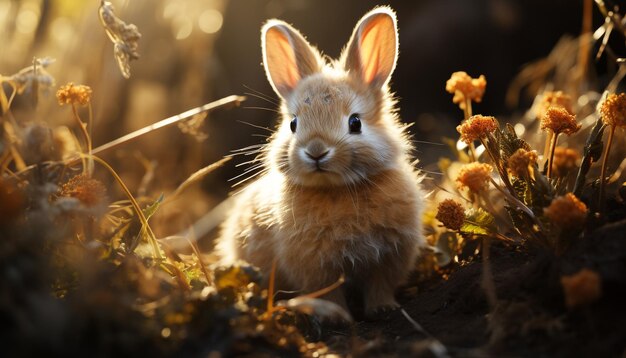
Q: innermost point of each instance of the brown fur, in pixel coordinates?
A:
(357, 211)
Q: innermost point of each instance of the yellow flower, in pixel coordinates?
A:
(613, 110)
(476, 127)
(464, 87)
(554, 99)
(88, 191)
(451, 214)
(474, 176)
(567, 211)
(521, 162)
(581, 288)
(559, 120)
(70, 93)
(565, 160)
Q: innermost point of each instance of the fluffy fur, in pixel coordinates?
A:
(356, 210)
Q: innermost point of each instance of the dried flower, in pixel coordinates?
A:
(35, 77)
(613, 110)
(554, 99)
(565, 160)
(559, 120)
(521, 162)
(70, 93)
(466, 88)
(567, 211)
(474, 176)
(581, 288)
(88, 191)
(451, 214)
(124, 37)
(476, 127)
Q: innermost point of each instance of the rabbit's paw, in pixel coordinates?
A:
(381, 307)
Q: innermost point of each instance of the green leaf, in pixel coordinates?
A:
(510, 143)
(478, 222)
(131, 232)
(152, 208)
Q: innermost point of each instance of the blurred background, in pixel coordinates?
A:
(196, 51)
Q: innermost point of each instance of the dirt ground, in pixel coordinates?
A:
(530, 318)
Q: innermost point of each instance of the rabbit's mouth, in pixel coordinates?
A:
(319, 175)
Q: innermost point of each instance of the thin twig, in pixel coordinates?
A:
(230, 100)
(603, 170)
(555, 138)
(138, 211)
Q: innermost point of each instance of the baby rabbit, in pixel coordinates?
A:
(339, 195)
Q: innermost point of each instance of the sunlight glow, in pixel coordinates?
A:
(183, 28)
(210, 21)
(62, 29)
(26, 21)
(519, 129)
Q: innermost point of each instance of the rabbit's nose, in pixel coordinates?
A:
(316, 151)
(317, 157)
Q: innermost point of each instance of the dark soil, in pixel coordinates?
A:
(530, 318)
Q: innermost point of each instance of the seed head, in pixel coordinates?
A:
(521, 162)
(554, 99)
(566, 211)
(474, 176)
(451, 214)
(70, 93)
(559, 120)
(564, 161)
(581, 288)
(88, 191)
(476, 127)
(464, 87)
(613, 110)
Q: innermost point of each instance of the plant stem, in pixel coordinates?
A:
(140, 215)
(503, 174)
(467, 113)
(603, 170)
(546, 148)
(88, 168)
(555, 137)
(472, 152)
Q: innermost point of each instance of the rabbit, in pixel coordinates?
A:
(339, 194)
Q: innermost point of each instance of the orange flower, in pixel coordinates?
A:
(464, 87)
(559, 120)
(70, 93)
(88, 191)
(567, 211)
(581, 288)
(474, 176)
(565, 160)
(451, 214)
(613, 110)
(554, 99)
(520, 163)
(476, 127)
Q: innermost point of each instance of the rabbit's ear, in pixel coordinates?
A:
(287, 56)
(372, 51)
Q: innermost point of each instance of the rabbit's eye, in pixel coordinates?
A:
(293, 124)
(354, 123)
